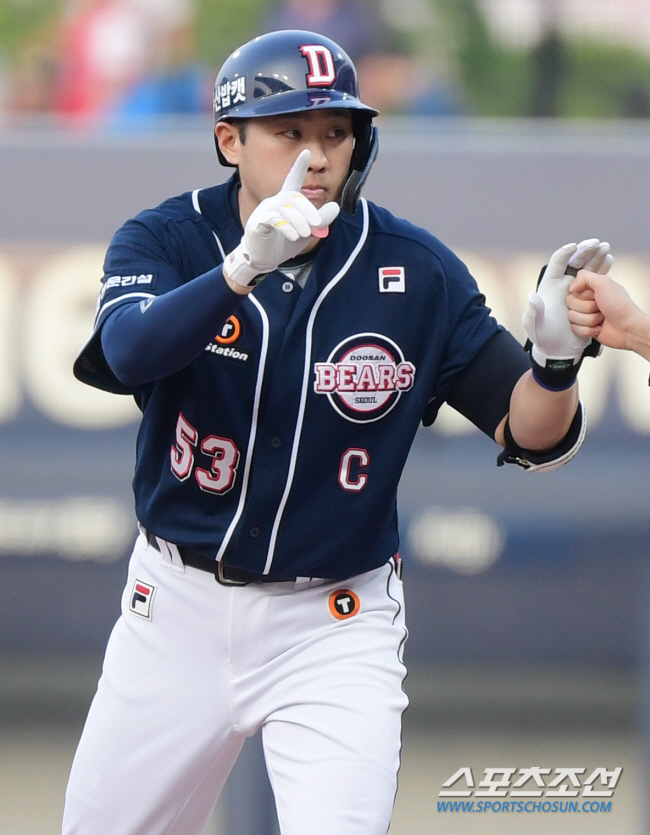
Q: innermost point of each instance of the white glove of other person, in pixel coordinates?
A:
(279, 228)
(555, 350)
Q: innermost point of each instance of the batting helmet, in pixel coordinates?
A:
(290, 71)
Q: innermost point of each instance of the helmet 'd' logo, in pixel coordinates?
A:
(322, 72)
(364, 377)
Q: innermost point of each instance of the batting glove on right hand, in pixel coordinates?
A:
(556, 351)
(279, 228)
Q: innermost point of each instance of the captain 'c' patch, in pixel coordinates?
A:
(344, 604)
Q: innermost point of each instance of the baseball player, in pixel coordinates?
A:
(284, 339)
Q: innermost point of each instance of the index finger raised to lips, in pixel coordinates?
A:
(296, 176)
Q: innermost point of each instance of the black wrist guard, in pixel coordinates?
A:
(560, 374)
(556, 375)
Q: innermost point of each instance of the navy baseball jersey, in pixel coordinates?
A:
(278, 445)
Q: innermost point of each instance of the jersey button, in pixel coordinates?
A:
(254, 532)
(287, 287)
(276, 442)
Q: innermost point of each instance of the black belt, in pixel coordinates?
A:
(227, 575)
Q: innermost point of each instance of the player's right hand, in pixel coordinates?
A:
(279, 228)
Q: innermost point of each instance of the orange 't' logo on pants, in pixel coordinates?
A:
(344, 604)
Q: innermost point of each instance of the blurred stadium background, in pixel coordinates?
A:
(508, 127)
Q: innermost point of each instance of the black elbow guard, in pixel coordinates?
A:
(547, 459)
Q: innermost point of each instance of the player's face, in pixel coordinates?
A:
(270, 148)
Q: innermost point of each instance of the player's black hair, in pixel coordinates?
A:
(242, 128)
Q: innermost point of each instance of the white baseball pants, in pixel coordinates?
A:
(192, 668)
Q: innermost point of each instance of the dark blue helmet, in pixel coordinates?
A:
(290, 71)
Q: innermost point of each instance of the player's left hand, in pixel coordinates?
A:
(546, 319)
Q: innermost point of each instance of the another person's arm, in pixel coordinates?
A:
(601, 308)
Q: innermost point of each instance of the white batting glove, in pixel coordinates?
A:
(556, 352)
(279, 228)
(546, 318)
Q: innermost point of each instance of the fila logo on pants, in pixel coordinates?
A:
(141, 599)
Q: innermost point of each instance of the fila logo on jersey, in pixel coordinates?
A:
(344, 604)
(223, 341)
(364, 377)
(142, 599)
(391, 280)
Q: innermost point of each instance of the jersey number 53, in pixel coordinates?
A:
(223, 453)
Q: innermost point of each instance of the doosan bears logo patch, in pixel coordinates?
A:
(364, 377)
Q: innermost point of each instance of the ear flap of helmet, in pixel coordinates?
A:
(365, 153)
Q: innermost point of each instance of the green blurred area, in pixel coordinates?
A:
(224, 24)
(23, 20)
(559, 77)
